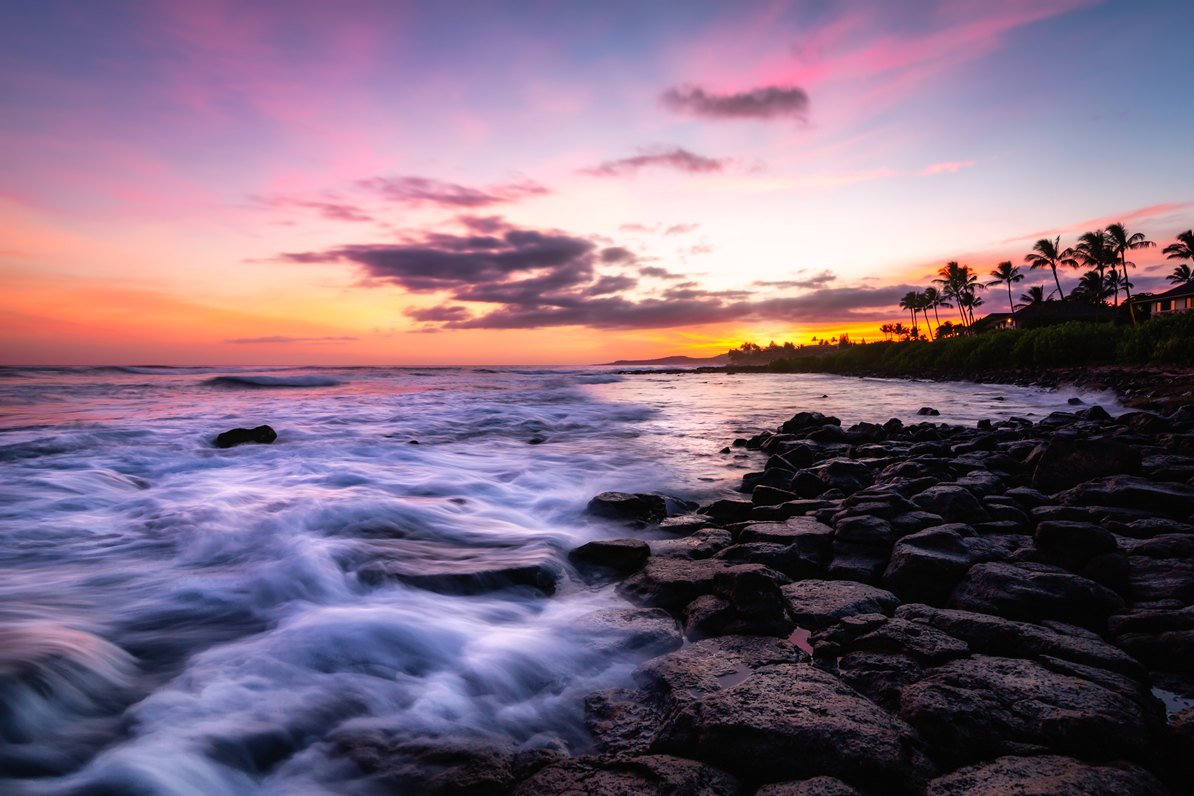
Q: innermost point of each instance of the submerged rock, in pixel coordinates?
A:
(624, 555)
(239, 436)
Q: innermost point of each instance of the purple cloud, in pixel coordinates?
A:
(767, 102)
(675, 158)
(421, 190)
(814, 281)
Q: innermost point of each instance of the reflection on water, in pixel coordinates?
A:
(179, 619)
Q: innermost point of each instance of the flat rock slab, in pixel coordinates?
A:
(1031, 593)
(1047, 775)
(981, 707)
(708, 666)
(794, 721)
(698, 545)
(1067, 463)
(650, 631)
(624, 555)
(817, 786)
(992, 635)
(1176, 500)
(648, 775)
(818, 604)
(672, 583)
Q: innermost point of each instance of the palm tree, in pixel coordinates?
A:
(934, 300)
(1006, 274)
(1183, 249)
(959, 284)
(1091, 289)
(899, 331)
(1035, 297)
(1049, 254)
(1121, 243)
(911, 302)
(1094, 251)
(1181, 274)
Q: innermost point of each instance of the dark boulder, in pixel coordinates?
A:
(922, 643)
(952, 503)
(698, 545)
(1145, 422)
(239, 436)
(1175, 500)
(1160, 638)
(1069, 462)
(1033, 592)
(672, 583)
(879, 676)
(707, 616)
(723, 511)
(1073, 541)
(864, 529)
(803, 420)
(926, 566)
(862, 433)
(1047, 775)
(807, 485)
(788, 559)
(846, 475)
(775, 478)
(1028, 499)
(810, 537)
(818, 604)
(859, 562)
(817, 786)
(534, 571)
(992, 635)
(685, 524)
(928, 410)
(636, 509)
(764, 495)
(753, 726)
(648, 775)
(982, 707)
(624, 555)
(828, 433)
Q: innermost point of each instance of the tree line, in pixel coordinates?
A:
(1103, 252)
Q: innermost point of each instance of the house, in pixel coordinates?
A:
(1179, 299)
(1046, 314)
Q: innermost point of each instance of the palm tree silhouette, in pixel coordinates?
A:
(1049, 254)
(933, 299)
(959, 284)
(1181, 274)
(1094, 251)
(1035, 297)
(911, 302)
(1006, 274)
(1121, 243)
(1182, 250)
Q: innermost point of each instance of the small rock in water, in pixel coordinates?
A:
(625, 555)
(1076, 402)
(413, 442)
(239, 436)
(640, 509)
(927, 410)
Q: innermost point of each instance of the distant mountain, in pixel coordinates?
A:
(720, 359)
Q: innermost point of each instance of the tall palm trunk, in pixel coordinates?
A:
(1127, 289)
(1060, 295)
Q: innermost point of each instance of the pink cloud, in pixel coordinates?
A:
(951, 167)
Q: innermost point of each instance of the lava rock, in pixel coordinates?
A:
(879, 676)
(1176, 500)
(624, 555)
(817, 786)
(928, 410)
(239, 436)
(953, 504)
(636, 509)
(698, 545)
(982, 707)
(672, 583)
(753, 726)
(818, 604)
(1047, 775)
(993, 635)
(1033, 592)
(846, 475)
(648, 775)
(1069, 462)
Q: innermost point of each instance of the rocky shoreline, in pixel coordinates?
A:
(909, 609)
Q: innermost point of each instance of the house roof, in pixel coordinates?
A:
(1181, 291)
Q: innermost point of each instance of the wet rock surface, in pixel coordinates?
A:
(262, 435)
(919, 609)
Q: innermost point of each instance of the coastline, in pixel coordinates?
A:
(1142, 387)
(883, 598)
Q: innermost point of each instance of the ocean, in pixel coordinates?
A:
(180, 619)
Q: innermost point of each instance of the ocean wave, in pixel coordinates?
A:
(273, 381)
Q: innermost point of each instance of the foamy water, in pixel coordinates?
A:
(180, 619)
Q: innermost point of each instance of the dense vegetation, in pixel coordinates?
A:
(1164, 340)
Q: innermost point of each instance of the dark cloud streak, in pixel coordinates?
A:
(676, 158)
(767, 102)
(422, 190)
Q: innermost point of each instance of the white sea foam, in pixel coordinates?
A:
(195, 619)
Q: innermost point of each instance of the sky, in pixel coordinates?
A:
(391, 183)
